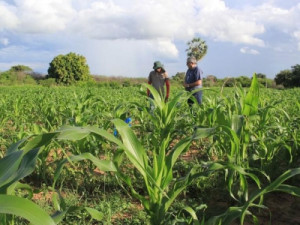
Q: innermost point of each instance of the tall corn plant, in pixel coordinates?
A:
(155, 165)
(233, 135)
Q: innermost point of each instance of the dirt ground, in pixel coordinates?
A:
(285, 209)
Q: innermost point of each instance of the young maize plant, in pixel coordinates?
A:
(155, 165)
(18, 162)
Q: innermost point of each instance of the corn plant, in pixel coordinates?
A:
(156, 165)
(255, 199)
(15, 165)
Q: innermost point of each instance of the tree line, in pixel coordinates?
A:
(72, 69)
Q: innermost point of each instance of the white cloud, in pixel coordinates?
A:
(45, 16)
(247, 50)
(164, 48)
(4, 41)
(296, 34)
(8, 18)
(144, 19)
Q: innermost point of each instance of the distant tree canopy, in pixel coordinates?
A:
(261, 75)
(179, 76)
(197, 48)
(289, 78)
(68, 69)
(21, 68)
(16, 75)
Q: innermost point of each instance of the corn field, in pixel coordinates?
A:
(113, 156)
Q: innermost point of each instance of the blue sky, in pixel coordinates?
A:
(125, 37)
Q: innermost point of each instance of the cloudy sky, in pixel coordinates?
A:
(125, 37)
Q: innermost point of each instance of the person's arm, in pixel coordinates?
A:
(149, 82)
(196, 83)
(168, 88)
(148, 91)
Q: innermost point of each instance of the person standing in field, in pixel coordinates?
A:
(158, 78)
(193, 80)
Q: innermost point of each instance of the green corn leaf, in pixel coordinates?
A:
(15, 147)
(8, 166)
(72, 133)
(158, 101)
(276, 185)
(250, 106)
(203, 132)
(39, 141)
(106, 135)
(17, 185)
(133, 148)
(95, 214)
(104, 165)
(237, 124)
(26, 167)
(193, 215)
(24, 208)
(289, 189)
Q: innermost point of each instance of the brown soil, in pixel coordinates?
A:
(284, 208)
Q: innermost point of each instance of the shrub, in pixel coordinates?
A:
(68, 69)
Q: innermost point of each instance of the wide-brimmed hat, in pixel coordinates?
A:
(158, 64)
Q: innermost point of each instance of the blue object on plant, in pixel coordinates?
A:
(128, 121)
(115, 132)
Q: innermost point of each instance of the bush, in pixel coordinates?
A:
(68, 69)
(289, 78)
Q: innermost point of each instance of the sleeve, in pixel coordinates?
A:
(149, 78)
(168, 87)
(149, 82)
(198, 73)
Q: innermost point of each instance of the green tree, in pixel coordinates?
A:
(210, 81)
(21, 68)
(284, 78)
(244, 81)
(17, 75)
(197, 48)
(261, 75)
(289, 78)
(179, 76)
(68, 69)
(296, 75)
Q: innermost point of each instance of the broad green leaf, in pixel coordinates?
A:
(95, 214)
(26, 167)
(24, 208)
(39, 141)
(72, 133)
(133, 148)
(250, 106)
(8, 166)
(15, 147)
(203, 132)
(158, 101)
(193, 215)
(237, 124)
(104, 165)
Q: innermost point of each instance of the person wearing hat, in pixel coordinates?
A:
(193, 80)
(158, 78)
